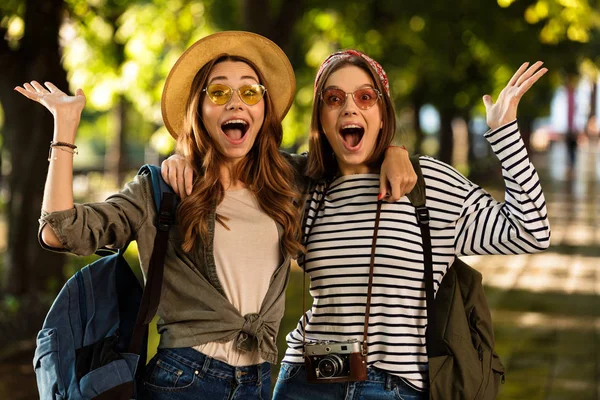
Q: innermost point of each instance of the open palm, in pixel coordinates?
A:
(54, 99)
(505, 108)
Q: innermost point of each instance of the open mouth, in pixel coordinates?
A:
(352, 135)
(235, 129)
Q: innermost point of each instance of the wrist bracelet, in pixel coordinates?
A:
(63, 146)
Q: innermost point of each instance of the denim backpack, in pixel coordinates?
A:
(93, 341)
(460, 335)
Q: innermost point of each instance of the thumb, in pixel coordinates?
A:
(79, 92)
(487, 101)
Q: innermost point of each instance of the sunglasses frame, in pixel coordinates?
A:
(346, 97)
(264, 89)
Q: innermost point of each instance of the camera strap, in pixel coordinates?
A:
(371, 267)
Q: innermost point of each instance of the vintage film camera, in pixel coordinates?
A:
(335, 362)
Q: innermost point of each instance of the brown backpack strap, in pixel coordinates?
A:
(152, 289)
(370, 289)
(371, 267)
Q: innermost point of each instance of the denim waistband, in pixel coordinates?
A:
(389, 380)
(204, 364)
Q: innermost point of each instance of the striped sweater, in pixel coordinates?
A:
(465, 220)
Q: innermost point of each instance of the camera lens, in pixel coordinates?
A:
(330, 366)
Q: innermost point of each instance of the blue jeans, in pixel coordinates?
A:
(185, 373)
(292, 385)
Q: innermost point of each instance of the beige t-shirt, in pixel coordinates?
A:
(246, 256)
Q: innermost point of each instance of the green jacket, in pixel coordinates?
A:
(193, 308)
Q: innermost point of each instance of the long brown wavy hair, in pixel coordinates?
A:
(264, 170)
(321, 158)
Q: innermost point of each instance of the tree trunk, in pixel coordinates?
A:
(446, 137)
(28, 269)
(417, 101)
(116, 158)
(278, 25)
(115, 161)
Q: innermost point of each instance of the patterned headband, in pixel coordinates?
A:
(349, 53)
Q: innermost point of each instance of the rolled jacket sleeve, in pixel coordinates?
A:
(115, 222)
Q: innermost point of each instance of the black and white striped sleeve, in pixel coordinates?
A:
(517, 225)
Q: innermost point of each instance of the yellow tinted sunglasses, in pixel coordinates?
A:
(221, 94)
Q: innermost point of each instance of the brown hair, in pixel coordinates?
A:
(321, 159)
(264, 170)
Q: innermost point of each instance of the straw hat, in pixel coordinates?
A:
(266, 55)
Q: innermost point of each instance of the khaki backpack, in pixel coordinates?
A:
(460, 335)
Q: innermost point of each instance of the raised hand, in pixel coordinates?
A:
(60, 104)
(505, 108)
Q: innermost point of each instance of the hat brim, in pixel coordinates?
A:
(270, 60)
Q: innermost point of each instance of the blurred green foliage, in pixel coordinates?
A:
(445, 53)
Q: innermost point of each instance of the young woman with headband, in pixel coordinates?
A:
(352, 123)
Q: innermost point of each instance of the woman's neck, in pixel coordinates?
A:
(354, 169)
(226, 179)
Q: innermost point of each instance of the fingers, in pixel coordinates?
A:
(189, 180)
(53, 88)
(397, 191)
(39, 88)
(164, 171)
(173, 181)
(400, 186)
(35, 91)
(32, 95)
(178, 175)
(181, 183)
(528, 73)
(30, 91)
(515, 77)
(167, 175)
(409, 183)
(529, 82)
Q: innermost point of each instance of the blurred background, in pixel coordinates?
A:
(441, 57)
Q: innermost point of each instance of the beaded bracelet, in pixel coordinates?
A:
(63, 144)
(70, 148)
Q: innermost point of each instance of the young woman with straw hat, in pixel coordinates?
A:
(227, 263)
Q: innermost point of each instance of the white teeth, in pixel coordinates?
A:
(235, 121)
(351, 126)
